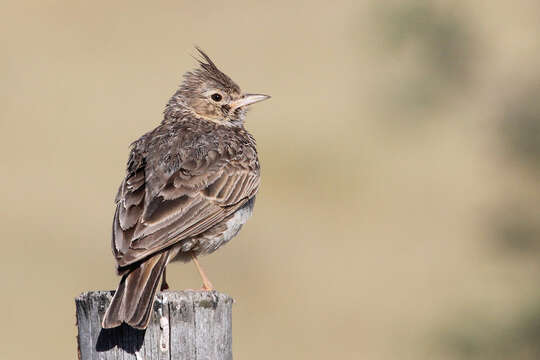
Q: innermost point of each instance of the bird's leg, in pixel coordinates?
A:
(207, 285)
(164, 285)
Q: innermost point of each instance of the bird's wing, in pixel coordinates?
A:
(191, 200)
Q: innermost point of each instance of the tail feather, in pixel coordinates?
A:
(132, 301)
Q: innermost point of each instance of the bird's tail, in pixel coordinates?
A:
(132, 301)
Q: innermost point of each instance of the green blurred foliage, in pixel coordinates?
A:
(444, 48)
(520, 126)
(517, 230)
(482, 340)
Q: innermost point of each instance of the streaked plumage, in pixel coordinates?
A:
(190, 186)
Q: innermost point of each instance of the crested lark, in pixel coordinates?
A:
(190, 185)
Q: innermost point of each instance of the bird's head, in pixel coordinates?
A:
(209, 94)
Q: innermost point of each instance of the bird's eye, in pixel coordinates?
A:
(216, 97)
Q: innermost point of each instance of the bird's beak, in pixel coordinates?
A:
(248, 99)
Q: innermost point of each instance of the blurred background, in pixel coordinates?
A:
(399, 210)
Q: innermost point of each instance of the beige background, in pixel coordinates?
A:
(398, 216)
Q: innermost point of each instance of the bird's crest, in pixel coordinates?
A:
(210, 70)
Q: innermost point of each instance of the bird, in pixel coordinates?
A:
(190, 185)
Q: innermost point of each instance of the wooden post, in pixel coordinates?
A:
(184, 325)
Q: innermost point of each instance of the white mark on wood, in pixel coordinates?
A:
(164, 327)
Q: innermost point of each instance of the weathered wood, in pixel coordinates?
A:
(186, 325)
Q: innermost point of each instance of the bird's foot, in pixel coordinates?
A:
(200, 289)
(164, 286)
(207, 286)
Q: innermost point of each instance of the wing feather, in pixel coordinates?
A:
(198, 196)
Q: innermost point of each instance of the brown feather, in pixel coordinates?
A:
(132, 301)
(192, 201)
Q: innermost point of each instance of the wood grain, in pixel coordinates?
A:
(184, 325)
